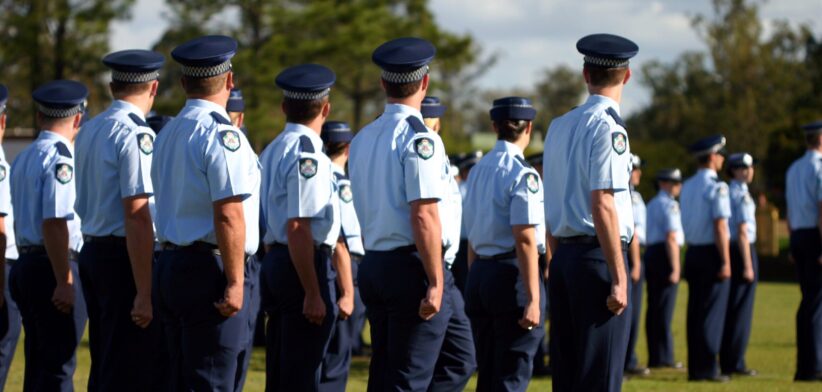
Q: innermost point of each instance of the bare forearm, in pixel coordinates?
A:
(229, 226)
(342, 264)
(634, 254)
(526, 249)
(744, 246)
(425, 224)
(301, 250)
(56, 242)
(722, 240)
(471, 256)
(140, 244)
(672, 249)
(607, 228)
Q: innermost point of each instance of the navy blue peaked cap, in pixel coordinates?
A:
(708, 145)
(740, 160)
(306, 81)
(60, 98)
(404, 60)
(336, 132)
(534, 159)
(513, 108)
(206, 56)
(673, 175)
(814, 127)
(235, 101)
(607, 50)
(158, 121)
(134, 66)
(432, 107)
(470, 160)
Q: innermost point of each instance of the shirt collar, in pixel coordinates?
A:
(508, 147)
(207, 105)
(127, 107)
(49, 135)
(595, 99)
(814, 154)
(392, 108)
(665, 194)
(302, 130)
(711, 173)
(337, 168)
(740, 184)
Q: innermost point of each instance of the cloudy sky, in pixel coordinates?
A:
(531, 35)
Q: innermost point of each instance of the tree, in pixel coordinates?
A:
(560, 89)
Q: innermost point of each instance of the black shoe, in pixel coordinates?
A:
(675, 366)
(718, 379)
(637, 372)
(813, 377)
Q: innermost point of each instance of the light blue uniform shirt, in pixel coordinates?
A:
(803, 191)
(6, 210)
(348, 216)
(743, 210)
(638, 204)
(113, 148)
(463, 187)
(508, 191)
(704, 199)
(451, 218)
(299, 183)
(392, 165)
(200, 159)
(664, 217)
(587, 149)
(42, 187)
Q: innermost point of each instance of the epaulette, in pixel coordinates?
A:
(220, 119)
(416, 124)
(305, 144)
(63, 150)
(616, 117)
(523, 161)
(137, 120)
(340, 176)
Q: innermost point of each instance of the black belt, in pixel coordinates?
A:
(105, 240)
(321, 247)
(585, 240)
(31, 249)
(502, 256)
(196, 246)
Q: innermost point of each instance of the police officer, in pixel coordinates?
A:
(541, 368)
(744, 268)
(706, 209)
(10, 323)
(632, 367)
(336, 137)
(460, 266)
(664, 237)
(45, 282)
(588, 209)
(302, 214)
(804, 195)
(458, 358)
(504, 289)
(399, 173)
(206, 180)
(235, 107)
(116, 261)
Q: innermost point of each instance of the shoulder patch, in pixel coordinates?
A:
(306, 145)
(220, 119)
(230, 140)
(146, 143)
(674, 208)
(346, 195)
(2, 173)
(532, 182)
(523, 161)
(416, 124)
(424, 147)
(63, 173)
(137, 120)
(723, 189)
(619, 141)
(63, 150)
(611, 112)
(308, 167)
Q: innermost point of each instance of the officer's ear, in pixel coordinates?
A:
(627, 76)
(529, 127)
(424, 84)
(586, 75)
(3, 121)
(154, 86)
(229, 81)
(326, 109)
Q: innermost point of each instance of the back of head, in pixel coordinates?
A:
(205, 64)
(511, 117)
(305, 91)
(606, 58)
(404, 63)
(133, 71)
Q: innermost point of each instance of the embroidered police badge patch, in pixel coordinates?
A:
(620, 142)
(345, 193)
(532, 183)
(146, 143)
(308, 167)
(2, 173)
(63, 172)
(424, 147)
(231, 140)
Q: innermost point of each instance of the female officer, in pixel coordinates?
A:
(503, 291)
(744, 267)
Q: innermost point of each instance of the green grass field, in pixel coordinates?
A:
(771, 352)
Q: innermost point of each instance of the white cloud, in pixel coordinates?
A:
(145, 28)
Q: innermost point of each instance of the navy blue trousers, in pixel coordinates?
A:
(124, 357)
(10, 326)
(631, 361)
(738, 319)
(707, 304)
(495, 300)
(295, 347)
(543, 348)
(589, 342)
(806, 250)
(405, 347)
(51, 336)
(460, 266)
(252, 286)
(358, 317)
(337, 360)
(457, 360)
(204, 346)
(661, 303)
